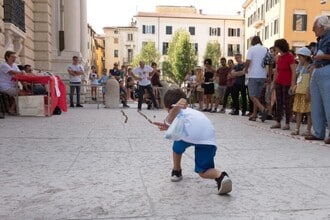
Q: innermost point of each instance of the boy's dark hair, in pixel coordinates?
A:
(208, 61)
(256, 40)
(172, 96)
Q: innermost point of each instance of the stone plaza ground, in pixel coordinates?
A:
(91, 163)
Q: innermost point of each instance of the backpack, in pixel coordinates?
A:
(268, 60)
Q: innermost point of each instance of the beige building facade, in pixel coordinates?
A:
(120, 45)
(289, 19)
(159, 27)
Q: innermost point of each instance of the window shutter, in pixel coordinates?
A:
(294, 22)
(143, 29)
(153, 29)
(210, 31)
(304, 26)
(218, 30)
(238, 32)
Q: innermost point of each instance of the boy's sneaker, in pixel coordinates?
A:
(176, 175)
(224, 184)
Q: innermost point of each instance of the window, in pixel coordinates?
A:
(276, 26)
(234, 32)
(168, 30)
(192, 30)
(148, 29)
(14, 12)
(115, 40)
(233, 49)
(266, 32)
(130, 55)
(115, 53)
(129, 37)
(165, 48)
(215, 31)
(299, 22)
(195, 47)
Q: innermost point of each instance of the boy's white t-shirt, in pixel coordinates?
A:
(199, 128)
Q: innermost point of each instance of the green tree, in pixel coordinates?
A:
(148, 53)
(213, 52)
(181, 57)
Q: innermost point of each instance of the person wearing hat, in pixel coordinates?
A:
(320, 80)
(301, 103)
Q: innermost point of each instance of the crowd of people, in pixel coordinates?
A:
(272, 83)
(140, 83)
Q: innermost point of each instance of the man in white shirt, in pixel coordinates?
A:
(143, 74)
(75, 71)
(257, 75)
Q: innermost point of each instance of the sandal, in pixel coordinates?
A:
(275, 126)
(295, 132)
(252, 118)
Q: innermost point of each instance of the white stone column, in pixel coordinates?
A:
(84, 31)
(72, 26)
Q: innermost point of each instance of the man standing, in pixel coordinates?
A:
(75, 71)
(143, 74)
(115, 72)
(239, 85)
(257, 75)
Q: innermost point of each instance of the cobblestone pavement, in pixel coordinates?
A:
(89, 164)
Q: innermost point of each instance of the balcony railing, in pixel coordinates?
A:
(14, 12)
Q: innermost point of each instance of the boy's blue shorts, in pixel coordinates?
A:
(204, 154)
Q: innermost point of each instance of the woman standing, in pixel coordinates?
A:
(199, 89)
(284, 81)
(208, 84)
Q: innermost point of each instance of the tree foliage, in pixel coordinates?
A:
(213, 52)
(181, 57)
(148, 53)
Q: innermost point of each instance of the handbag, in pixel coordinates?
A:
(177, 130)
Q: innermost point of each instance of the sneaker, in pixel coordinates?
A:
(125, 106)
(71, 106)
(224, 184)
(176, 175)
(80, 106)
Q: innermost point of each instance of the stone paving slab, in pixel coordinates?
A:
(89, 164)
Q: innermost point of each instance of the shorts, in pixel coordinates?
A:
(204, 154)
(11, 91)
(255, 86)
(221, 91)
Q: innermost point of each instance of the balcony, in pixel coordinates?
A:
(14, 13)
(257, 24)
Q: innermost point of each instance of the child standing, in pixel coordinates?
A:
(103, 80)
(200, 133)
(93, 77)
(301, 103)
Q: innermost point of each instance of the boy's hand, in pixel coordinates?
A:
(182, 103)
(161, 125)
